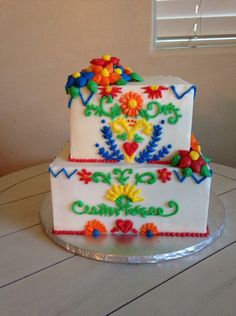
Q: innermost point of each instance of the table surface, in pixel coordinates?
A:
(37, 277)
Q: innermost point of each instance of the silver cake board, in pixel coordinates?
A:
(135, 248)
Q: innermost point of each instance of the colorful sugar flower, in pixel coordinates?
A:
(164, 175)
(105, 60)
(104, 75)
(127, 190)
(85, 176)
(121, 71)
(103, 71)
(194, 143)
(110, 91)
(154, 92)
(95, 228)
(191, 161)
(131, 103)
(149, 230)
(78, 80)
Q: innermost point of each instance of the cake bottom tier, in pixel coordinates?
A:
(94, 199)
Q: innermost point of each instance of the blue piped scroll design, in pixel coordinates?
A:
(113, 153)
(148, 153)
(85, 102)
(193, 176)
(63, 170)
(181, 95)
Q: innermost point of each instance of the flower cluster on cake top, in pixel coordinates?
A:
(104, 71)
(192, 160)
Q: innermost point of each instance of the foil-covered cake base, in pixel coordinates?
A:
(135, 249)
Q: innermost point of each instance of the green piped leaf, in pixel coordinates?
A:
(92, 86)
(136, 77)
(146, 177)
(138, 138)
(121, 174)
(121, 82)
(122, 136)
(115, 111)
(73, 91)
(101, 177)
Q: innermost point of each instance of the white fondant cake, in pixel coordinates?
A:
(132, 166)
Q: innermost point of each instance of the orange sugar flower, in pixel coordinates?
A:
(104, 75)
(131, 103)
(95, 228)
(149, 230)
(194, 143)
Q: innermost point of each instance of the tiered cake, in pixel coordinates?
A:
(132, 166)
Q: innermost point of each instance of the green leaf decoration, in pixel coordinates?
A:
(154, 109)
(123, 202)
(121, 82)
(101, 177)
(136, 77)
(146, 177)
(92, 86)
(115, 111)
(122, 136)
(207, 160)
(205, 172)
(121, 174)
(99, 110)
(171, 109)
(90, 108)
(73, 91)
(175, 160)
(138, 138)
(109, 99)
(187, 172)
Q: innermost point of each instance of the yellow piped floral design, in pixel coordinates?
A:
(128, 190)
(121, 125)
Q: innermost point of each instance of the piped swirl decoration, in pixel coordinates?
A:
(81, 208)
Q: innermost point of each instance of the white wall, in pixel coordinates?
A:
(44, 41)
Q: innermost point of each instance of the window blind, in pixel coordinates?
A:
(194, 23)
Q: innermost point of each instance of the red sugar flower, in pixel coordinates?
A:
(164, 175)
(105, 60)
(85, 176)
(108, 90)
(154, 92)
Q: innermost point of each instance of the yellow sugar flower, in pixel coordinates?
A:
(128, 190)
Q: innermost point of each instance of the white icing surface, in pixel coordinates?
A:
(193, 199)
(85, 131)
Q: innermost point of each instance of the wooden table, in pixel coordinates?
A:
(39, 278)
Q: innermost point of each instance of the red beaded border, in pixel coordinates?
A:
(68, 232)
(160, 162)
(155, 162)
(162, 234)
(91, 160)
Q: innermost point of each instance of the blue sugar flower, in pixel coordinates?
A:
(79, 79)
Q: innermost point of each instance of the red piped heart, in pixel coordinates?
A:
(124, 226)
(130, 148)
